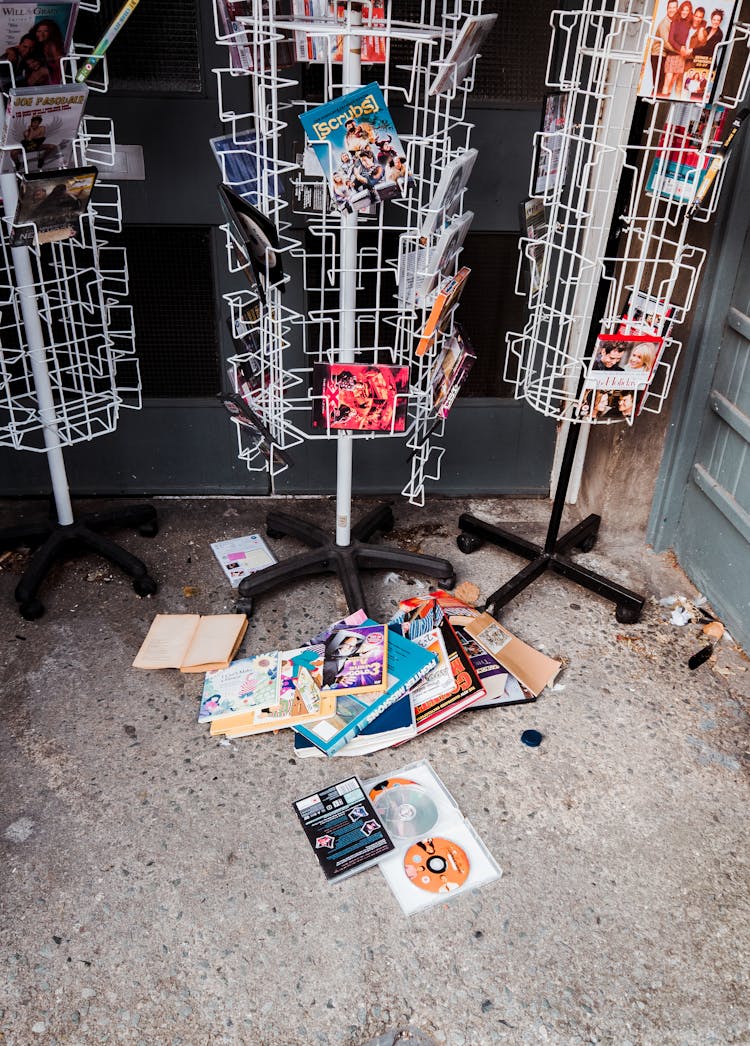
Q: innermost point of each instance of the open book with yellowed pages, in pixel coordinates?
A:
(190, 642)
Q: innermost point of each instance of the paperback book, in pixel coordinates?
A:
(50, 206)
(34, 38)
(363, 397)
(343, 829)
(465, 686)
(190, 642)
(40, 127)
(358, 148)
(407, 663)
(394, 724)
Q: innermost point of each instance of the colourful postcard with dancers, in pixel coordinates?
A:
(365, 397)
(358, 148)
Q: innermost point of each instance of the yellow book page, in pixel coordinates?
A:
(167, 641)
(215, 642)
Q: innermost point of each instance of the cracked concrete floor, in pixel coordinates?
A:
(157, 887)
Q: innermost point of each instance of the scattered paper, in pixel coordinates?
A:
(240, 557)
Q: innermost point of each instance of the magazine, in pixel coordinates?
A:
(550, 168)
(50, 205)
(40, 127)
(362, 397)
(447, 196)
(34, 37)
(684, 51)
(257, 238)
(240, 159)
(358, 148)
(454, 68)
(445, 300)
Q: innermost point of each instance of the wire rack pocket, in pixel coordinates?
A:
(76, 288)
(672, 171)
(406, 249)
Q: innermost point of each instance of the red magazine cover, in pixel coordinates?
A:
(365, 397)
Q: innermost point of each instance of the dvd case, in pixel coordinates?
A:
(437, 854)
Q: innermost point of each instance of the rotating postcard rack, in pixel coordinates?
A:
(67, 362)
(620, 174)
(370, 276)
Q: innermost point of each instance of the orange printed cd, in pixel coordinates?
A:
(436, 865)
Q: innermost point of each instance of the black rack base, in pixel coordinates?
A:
(346, 561)
(474, 532)
(53, 541)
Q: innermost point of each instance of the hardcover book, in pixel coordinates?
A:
(40, 126)
(34, 37)
(407, 663)
(364, 397)
(358, 148)
(51, 205)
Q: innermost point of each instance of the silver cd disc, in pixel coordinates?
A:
(406, 811)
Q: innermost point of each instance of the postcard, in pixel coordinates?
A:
(363, 397)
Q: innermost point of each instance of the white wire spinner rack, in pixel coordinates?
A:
(353, 265)
(618, 179)
(660, 149)
(67, 356)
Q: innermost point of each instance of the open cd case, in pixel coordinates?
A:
(437, 854)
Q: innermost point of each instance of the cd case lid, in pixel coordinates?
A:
(343, 828)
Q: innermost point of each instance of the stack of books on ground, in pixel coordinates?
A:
(359, 687)
(409, 825)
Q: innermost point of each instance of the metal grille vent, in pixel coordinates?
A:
(157, 50)
(173, 297)
(488, 308)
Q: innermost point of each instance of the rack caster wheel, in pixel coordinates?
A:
(627, 615)
(32, 610)
(274, 533)
(448, 582)
(244, 606)
(149, 530)
(468, 543)
(587, 544)
(145, 586)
